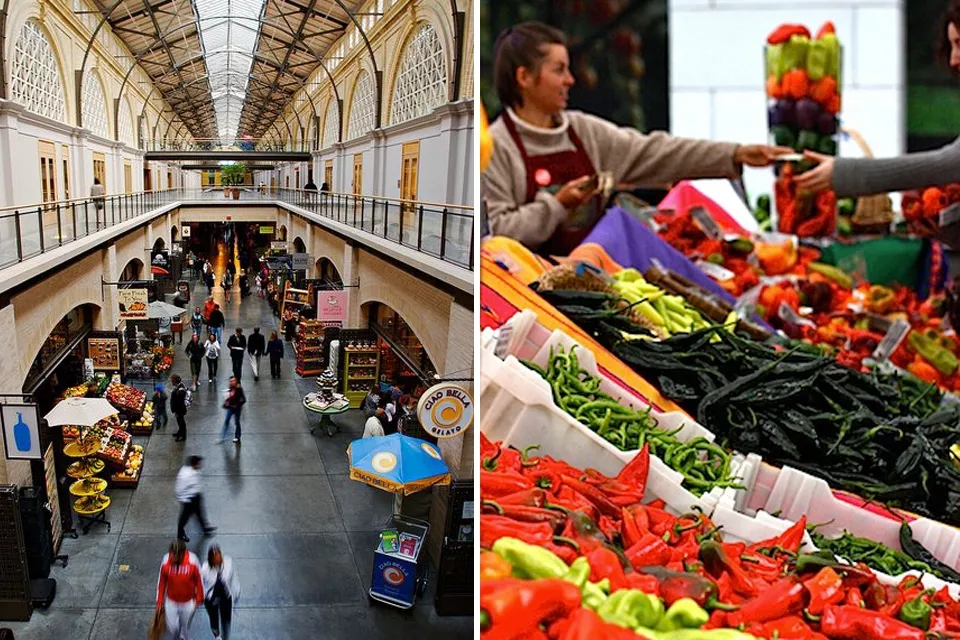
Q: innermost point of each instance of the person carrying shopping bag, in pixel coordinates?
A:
(234, 402)
(212, 354)
(179, 590)
(221, 590)
(256, 346)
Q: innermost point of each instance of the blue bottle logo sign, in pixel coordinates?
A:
(21, 434)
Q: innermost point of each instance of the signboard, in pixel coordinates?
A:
(185, 231)
(332, 306)
(176, 248)
(88, 371)
(300, 261)
(105, 353)
(265, 230)
(278, 245)
(160, 263)
(50, 477)
(21, 431)
(445, 410)
(133, 304)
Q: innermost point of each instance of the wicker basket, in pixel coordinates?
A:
(874, 214)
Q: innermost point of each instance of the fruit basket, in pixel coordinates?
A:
(125, 398)
(85, 467)
(143, 426)
(116, 445)
(76, 450)
(132, 468)
(88, 487)
(91, 505)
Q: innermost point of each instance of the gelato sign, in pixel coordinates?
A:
(445, 410)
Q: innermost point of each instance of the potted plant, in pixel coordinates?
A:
(234, 175)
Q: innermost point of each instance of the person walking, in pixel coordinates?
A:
(234, 402)
(256, 346)
(195, 350)
(160, 418)
(187, 491)
(208, 278)
(97, 193)
(227, 283)
(373, 427)
(216, 322)
(275, 351)
(237, 344)
(212, 354)
(179, 401)
(221, 590)
(389, 406)
(197, 320)
(179, 590)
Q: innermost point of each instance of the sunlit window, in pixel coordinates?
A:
(421, 84)
(35, 78)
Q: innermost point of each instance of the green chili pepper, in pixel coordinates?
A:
(529, 561)
(685, 613)
(632, 608)
(916, 613)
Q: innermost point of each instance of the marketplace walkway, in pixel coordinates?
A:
(301, 532)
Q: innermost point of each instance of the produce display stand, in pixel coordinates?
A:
(398, 576)
(91, 505)
(293, 300)
(143, 425)
(133, 470)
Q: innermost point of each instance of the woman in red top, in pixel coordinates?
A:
(180, 590)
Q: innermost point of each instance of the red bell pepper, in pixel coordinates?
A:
(783, 33)
(884, 599)
(643, 582)
(650, 551)
(584, 624)
(825, 588)
(854, 598)
(636, 471)
(854, 623)
(604, 563)
(788, 628)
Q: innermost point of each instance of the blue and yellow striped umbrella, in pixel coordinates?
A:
(397, 463)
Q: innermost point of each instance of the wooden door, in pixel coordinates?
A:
(328, 174)
(169, 179)
(100, 169)
(65, 158)
(127, 178)
(147, 179)
(48, 171)
(409, 179)
(357, 184)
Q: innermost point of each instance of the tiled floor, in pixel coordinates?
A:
(301, 532)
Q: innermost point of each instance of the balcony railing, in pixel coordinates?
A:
(444, 231)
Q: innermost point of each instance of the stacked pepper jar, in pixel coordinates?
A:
(803, 87)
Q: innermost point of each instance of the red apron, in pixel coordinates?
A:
(551, 171)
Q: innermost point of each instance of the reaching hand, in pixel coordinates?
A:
(759, 155)
(575, 193)
(820, 177)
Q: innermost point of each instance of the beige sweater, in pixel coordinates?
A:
(632, 157)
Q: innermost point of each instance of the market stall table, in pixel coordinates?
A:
(326, 413)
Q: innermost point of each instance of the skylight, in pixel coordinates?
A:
(228, 31)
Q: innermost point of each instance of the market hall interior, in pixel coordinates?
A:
(348, 191)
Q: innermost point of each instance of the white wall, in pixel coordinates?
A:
(717, 81)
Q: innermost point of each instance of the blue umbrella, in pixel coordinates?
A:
(397, 463)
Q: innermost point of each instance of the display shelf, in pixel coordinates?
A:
(309, 354)
(88, 487)
(352, 382)
(85, 467)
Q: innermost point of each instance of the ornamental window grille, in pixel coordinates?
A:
(331, 124)
(421, 83)
(125, 131)
(94, 106)
(362, 107)
(35, 79)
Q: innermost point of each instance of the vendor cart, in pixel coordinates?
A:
(398, 577)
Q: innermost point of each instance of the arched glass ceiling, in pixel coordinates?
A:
(228, 32)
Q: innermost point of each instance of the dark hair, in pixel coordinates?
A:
(950, 16)
(214, 548)
(178, 549)
(175, 378)
(96, 180)
(194, 460)
(520, 46)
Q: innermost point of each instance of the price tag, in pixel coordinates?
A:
(715, 271)
(503, 341)
(950, 215)
(895, 335)
(789, 316)
(706, 223)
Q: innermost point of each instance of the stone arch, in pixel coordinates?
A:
(94, 75)
(436, 19)
(19, 14)
(406, 306)
(49, 322)
(159, 244)
(362, 66)
(326, 269)
(173, 234)
(282, 233)
(299, 246)
(133, 270)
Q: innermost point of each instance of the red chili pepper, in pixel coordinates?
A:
(650, 551)
(854, 598)
(636, 471)
(630, 531)
(675, 585)
(938, 620)
(660, 520)
(594, 495)
(785, 597)
(609, 527)
(529, 497)
(788, 628)
(565, 552)
(825, 588)
(854, 623)
(643, 582)
(514, 611)
(604, 563)
(543, 476)
(572, 500)
(783, 33)
(494, 485)
(761, 566)
(717, 561)
(587, 625)
(492, 528)
(885, 599)
(522, 513)
(487, 448)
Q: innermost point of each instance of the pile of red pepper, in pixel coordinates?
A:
(921, 209)
(803, 215)
(767, 590)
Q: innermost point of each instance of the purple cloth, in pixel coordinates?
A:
(632, 244)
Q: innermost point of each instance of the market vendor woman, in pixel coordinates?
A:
(540, 185)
